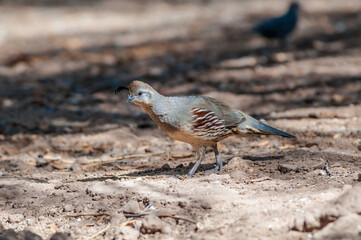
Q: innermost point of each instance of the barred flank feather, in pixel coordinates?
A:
(207, 125)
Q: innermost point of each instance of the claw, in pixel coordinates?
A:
(213, 170)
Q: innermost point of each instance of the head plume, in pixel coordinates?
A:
(120, 88)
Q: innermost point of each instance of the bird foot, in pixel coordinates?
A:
(189, 175)
(213, 170)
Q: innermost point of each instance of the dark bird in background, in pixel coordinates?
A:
(279, 28)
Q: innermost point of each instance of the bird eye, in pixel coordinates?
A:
(140, 93)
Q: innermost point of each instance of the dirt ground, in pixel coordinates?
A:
(78, 159)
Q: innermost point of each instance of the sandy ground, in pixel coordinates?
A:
(77, 159)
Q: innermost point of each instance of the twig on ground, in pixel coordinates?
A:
(86, 215)
(119, 167)
(182, 156)
(327, 170)
(261, 179)
(100, 232)
(170, 215)
(101, 219)
(177, 217)
(141, 214)
(130, 215)
(111, 160)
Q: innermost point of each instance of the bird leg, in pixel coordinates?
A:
(283, 44)
(200, 156)
(218, 161)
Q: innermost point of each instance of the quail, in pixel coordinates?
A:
(198, 120)
(279, 27)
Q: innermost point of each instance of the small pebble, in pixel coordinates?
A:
(16, 218)
(61, 236)
(127, 233)
(182, 204)
(166, 166)
(206, 205)
(285, 168)
(250, 170)
(132, 207)
(151, 224)
(68, 208)
(118, 218)
(180, 166)
(216, 182)
(166, 229)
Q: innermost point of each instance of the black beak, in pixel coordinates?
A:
(120, 89)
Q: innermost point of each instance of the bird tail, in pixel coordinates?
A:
(253, 126)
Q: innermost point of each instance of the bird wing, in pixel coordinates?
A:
(207, 108)
(269, 25)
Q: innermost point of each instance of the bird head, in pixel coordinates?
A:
(294, 7)
(139, 93)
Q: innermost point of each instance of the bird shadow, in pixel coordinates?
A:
(179, 170)
(263, 158)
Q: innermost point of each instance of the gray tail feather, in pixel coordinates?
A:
(270, 130)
